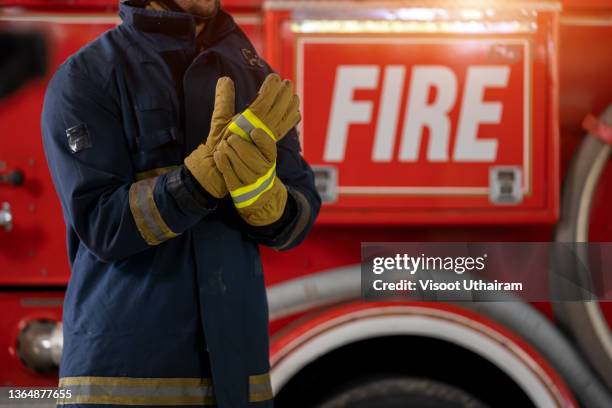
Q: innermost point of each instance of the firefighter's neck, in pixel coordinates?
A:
(156, 5)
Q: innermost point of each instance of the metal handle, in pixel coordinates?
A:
(6, 217)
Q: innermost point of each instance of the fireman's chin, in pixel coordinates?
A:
(203, 8)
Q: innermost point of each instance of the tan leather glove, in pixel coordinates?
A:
(249, 169)
(275, 110)
(247, 159)
(200, 162)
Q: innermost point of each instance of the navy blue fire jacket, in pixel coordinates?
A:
(166, 303)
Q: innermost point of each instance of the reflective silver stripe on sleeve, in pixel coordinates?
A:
(149, 221)
(302, 222)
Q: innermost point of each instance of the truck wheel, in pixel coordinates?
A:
(399, 392)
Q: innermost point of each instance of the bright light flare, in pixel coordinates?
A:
(386, 26)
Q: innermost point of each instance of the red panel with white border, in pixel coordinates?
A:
(450, 124)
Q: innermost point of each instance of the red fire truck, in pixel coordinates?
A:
(425, 120)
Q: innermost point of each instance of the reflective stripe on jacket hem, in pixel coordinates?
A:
(152, 391)
(260, 388)
(137, 391)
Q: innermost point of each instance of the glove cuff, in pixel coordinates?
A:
(243, 124)
(268, 208)
(246, 196)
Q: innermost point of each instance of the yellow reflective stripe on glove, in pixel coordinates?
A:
(246, 122)
(275, 110)
(249, 170)
(253, 119)
(247, 195)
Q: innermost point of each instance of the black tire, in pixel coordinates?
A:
(401, 392)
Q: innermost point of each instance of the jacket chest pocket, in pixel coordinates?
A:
(159, 138)
(157, 122)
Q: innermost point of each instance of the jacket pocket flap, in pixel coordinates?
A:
(153, 101)
(158, 137)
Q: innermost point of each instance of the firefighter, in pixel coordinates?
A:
(172, 148)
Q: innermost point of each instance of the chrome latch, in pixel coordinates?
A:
(6, 217)
(505, 185)
(326, 182)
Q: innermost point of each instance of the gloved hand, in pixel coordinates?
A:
(247, 159)
(200, 162)
(249, 170)
(275, 110)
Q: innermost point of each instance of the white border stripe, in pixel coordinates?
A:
(326, 5)
(421, 190)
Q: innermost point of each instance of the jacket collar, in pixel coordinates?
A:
(171, 29)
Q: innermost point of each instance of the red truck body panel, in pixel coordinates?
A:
(393, 166)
